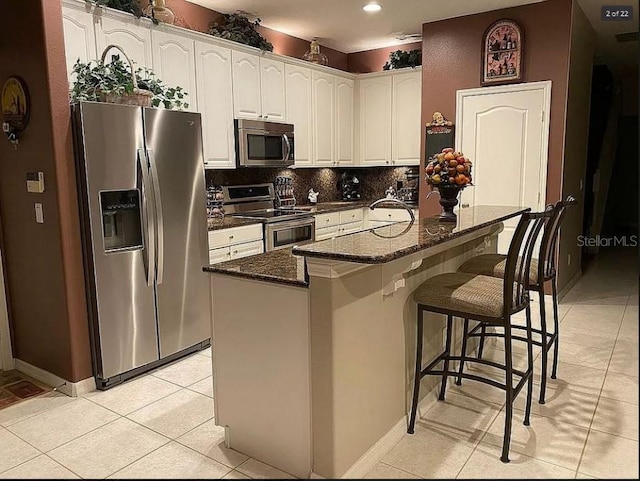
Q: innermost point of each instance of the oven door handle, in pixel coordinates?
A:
(276, 226)
(288, 149)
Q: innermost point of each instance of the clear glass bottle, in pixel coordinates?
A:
(314, 55)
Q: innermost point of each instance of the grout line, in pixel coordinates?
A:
(584, 447)
(400, 469)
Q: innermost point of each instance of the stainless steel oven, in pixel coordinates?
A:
(278, 235)
(264, 144)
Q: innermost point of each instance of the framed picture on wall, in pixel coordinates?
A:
(502, 49)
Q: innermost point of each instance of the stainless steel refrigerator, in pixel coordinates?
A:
(143, 203)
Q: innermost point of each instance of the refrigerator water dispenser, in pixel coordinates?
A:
(121, 220)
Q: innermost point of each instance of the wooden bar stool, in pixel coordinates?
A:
(494, 265)
(491, 301)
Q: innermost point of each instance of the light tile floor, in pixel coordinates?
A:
(161, 425)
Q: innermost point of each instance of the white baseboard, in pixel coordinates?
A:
(59, 384)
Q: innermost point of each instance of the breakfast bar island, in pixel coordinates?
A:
(313, 347)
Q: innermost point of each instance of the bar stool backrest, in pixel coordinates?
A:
(524, 238)
(547, 257)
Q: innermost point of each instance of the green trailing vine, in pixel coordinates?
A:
(94, 80)
(238, 28)
(128, 6)
(403, 59)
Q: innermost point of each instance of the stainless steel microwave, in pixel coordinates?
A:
(264, 144)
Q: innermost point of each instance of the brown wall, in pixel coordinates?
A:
(576, 141)
(43, 261)
(451, 60)
(195, 17)
(373, 60)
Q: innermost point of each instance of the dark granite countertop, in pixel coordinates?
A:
(229, 221)
(279, 266)
(394, 241)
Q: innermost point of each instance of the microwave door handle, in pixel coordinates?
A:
(288, 149)
(153, 171)
(149, 252)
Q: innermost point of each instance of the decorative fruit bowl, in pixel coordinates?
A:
(449, 172)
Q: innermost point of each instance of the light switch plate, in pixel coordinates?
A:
(39, 213)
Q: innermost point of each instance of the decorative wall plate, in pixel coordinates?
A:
(15, 107)
(502, 60)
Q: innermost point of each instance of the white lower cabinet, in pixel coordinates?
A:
(380, 217)
(235, 243)
(247, 249)
(335, 224)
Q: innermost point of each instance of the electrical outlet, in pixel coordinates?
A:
(568, 259)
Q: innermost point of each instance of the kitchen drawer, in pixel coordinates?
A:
(353, 215)
(351, 227)
(327, 220)
(327, 233)
(235, 235)
(219, 255)
(389, 215)
(247, 249)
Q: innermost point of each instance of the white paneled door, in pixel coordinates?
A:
(132, 35)
(505, 132)
(215, 103)
(324, 116)
(299, 105)
(174, 63)
(79, 38)
(246, 85)
(344, 121)
(272, 90)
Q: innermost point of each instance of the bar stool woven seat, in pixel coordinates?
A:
(494, 265)
(458, 291)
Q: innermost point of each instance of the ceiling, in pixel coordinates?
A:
(344, 26)
(622, 57)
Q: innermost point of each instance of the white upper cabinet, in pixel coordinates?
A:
(406, 121)
(324, 117)
(215, 103)
(375, 120)
(174, 63)
(272, 87)
(79, 38)
(128, 33)
(344, 121)
(247, 101)
(299, 111)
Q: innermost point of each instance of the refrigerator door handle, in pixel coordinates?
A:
(149, 253)
(153, 171)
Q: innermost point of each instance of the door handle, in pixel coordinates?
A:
(288, 144)
(147, 214)
(464, 205)
(153, 171)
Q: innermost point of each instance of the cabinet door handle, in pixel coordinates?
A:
(230, 237)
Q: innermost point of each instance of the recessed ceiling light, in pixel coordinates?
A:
(372, 7)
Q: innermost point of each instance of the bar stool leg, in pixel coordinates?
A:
(447, 348)
(483, 331)
(418, 374)
(527, 413)
(465, 329)
(508, 409)
(556, 325)
(543, 354)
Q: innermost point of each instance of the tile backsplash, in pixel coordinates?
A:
(373, 180)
